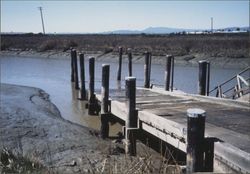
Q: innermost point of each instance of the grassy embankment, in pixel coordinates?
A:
(215, 45)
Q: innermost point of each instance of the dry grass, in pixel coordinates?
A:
(10, 163)
(217, 45)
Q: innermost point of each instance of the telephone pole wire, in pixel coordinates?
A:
(41, 12)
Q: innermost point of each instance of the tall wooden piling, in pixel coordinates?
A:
(150, 62)
(76, 69)
(172, 74)
(129, 62)
(72, 66)
(204, 77)
(131, 121)
(147, 70)
(169, 73)
(82, 67)
(209, 154)
(195, 140)
(91, 95)
(105, 102)
(119, 71)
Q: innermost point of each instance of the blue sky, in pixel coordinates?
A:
(99, 16)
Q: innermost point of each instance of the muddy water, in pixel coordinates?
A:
(53, 76)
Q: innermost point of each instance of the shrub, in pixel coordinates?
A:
(4, 46)
(48, 45)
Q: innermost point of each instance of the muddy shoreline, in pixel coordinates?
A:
(187, 60)
(31, 127)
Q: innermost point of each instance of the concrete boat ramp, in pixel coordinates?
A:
(164, 115)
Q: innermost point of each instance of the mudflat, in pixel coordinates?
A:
(32, 128)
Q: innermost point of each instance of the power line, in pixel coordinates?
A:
(41, 12)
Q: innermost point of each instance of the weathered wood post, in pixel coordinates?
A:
(195, 140)
(74, 54)
(209, 154)
(131, 121)
(105, 102)
(204, 77)
(119, 71)
(83, 89)
(129, 62)
(169, 73)
(72, 65)
(172, 74)
(147, 70)
(91, 95)
(150, 62)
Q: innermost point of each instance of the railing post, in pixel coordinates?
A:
(72, 65)
(120, 64)
(83, 89)
(240, 93)
(147, 70)
(195, 140)
(204, 77)
(129, 62)
(76, 69)
(105, 102)
(236, 93)
(169, 73)
(91, 95)
(131, 121)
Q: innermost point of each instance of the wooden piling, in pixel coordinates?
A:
(75, 68)
(169, 73)
(195, 140)
(120, 64)
(204, 75)
(82, 67)
(150, 62)
(105, 102)
(209, 154)
(129, 62)
(131, 121)
(91, 95)
(172, 74)
(147, 70)
(72, 66)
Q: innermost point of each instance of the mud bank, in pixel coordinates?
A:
(32, 127)
(186, 60)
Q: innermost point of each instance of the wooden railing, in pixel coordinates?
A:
(239, 86)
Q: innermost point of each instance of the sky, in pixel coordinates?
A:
(100, 16)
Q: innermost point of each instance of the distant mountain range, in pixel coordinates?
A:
(157, 30)
(167, 30)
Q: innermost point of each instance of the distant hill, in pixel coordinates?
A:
(164, 30)
(150, 30)
(155, 30)
(167, 30)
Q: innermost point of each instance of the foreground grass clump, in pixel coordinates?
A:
(135, 165)
(9, 163)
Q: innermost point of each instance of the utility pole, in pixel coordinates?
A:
(41, 12)
(212, 23)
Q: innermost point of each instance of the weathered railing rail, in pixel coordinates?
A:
(239, 86)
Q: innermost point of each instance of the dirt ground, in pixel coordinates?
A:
(32, 128)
